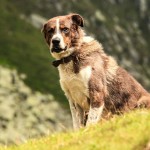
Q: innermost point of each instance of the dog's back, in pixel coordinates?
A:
(114, 86)
(125, 93)
(121, 91)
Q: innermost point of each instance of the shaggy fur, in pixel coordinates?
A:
(92, 81)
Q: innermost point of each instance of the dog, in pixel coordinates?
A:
(92, 81)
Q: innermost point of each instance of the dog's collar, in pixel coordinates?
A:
(64, 60)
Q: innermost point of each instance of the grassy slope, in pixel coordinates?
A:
(130, 131)
(28, 54)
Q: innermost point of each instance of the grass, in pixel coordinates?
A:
(128, 132)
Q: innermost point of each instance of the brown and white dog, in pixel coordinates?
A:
(92, 81)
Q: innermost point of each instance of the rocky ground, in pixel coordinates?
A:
(24, 113)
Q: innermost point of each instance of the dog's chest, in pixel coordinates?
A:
(75, 85)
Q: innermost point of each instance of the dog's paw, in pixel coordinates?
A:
(144, 102)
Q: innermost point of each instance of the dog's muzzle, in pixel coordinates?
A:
(56, 46)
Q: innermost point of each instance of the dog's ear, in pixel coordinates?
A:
(77, 19)
(44, 28)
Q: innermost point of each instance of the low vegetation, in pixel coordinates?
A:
(127, 132)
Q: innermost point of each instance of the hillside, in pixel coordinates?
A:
(128, 132)
(22, 47)
(25, 113)
(122, 26)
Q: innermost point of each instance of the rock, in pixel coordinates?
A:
(143, 7)
(99, 15)
(25, 113)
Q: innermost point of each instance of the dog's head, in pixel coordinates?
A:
(63, 34)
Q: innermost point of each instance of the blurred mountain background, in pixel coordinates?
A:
(31, 101)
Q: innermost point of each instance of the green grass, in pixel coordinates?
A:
(128, 132)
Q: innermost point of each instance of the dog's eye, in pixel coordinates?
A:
(65, 30)
(51, 30)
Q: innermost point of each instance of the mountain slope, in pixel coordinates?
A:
(22, 47)
(25, 113)
(127, 132)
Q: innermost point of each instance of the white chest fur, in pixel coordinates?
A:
(74, 85)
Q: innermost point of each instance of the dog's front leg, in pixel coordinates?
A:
(94, 114)
(77, 115)
(97, 92)
(96, 106)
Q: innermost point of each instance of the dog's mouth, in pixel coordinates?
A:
(58, 49)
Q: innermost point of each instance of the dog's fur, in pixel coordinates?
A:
(92, 81)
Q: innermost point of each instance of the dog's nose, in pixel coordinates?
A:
(56, 41)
